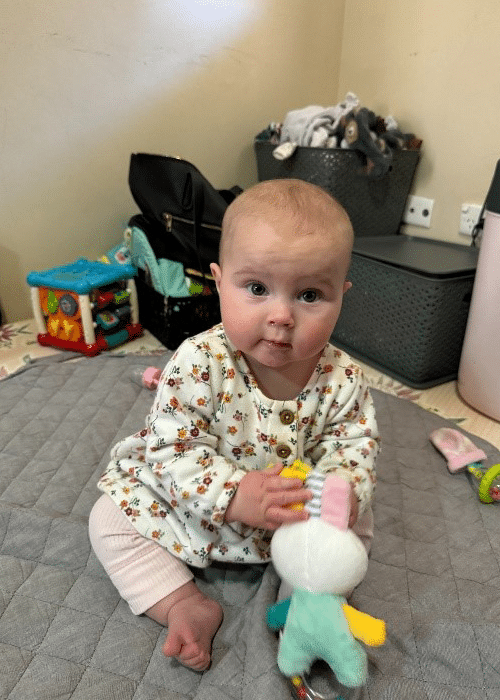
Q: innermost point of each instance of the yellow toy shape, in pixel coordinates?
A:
(298, 470)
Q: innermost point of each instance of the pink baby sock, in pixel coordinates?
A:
(456, 447)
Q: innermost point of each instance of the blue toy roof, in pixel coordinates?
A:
(80, 276)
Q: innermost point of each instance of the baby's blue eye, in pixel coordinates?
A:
(309, 295)
(257, 289)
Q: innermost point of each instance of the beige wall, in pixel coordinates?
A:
(435, 67)
(83, 85)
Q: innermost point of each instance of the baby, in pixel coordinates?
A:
(263, 388)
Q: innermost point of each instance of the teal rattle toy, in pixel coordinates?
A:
(321, 561)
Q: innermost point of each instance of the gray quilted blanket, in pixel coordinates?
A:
(434, 572)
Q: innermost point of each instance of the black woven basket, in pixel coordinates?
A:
(375, 206)
(409, 325)
(173, 319)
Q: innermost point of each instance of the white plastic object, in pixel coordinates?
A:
(87, 320)
(479, 371)
(147, 378)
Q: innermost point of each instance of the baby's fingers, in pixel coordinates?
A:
(276, 516)
(283, 483)
(281, 499)
(273, 470)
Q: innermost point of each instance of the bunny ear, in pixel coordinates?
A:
(336, 501)
(331, 499)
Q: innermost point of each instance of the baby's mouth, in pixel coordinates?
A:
(278, 344)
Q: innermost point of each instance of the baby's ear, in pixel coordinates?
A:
(347, 286)
(216, 274)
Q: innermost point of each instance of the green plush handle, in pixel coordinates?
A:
(486, 482)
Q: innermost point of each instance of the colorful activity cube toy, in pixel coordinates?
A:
(85, 306)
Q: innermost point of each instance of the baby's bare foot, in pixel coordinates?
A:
(192, 624)
(192, 620)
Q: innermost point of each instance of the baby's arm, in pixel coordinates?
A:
(350, 441)
(183, 445)
(262, 499)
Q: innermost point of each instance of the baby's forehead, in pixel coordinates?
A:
(267, 250)
(292, 209)
(250, 228)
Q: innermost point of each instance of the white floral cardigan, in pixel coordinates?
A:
(210, 424)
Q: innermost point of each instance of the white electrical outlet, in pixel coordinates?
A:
(469, 216)
(418, 211)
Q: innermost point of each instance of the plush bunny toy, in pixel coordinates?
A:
(322, 560)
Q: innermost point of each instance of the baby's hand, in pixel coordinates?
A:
(262, 498)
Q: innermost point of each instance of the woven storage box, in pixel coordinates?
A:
(406, 313)
(173, 319)
(375, 206)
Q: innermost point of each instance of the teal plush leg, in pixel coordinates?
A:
(316, 628)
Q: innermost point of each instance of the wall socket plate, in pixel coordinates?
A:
(469, 216)
(418, 211)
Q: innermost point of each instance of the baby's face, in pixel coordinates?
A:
(280, 293)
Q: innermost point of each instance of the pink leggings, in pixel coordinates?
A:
(142, 570)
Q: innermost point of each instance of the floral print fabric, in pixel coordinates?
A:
(210, 424)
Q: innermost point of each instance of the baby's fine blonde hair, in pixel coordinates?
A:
(301, 207)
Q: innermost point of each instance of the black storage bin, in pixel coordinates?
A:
(173, 319)
(407, 311)
(375, 206)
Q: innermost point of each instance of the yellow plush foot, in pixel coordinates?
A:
(364, 627)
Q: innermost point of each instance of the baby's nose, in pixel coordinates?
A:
(281, 315)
